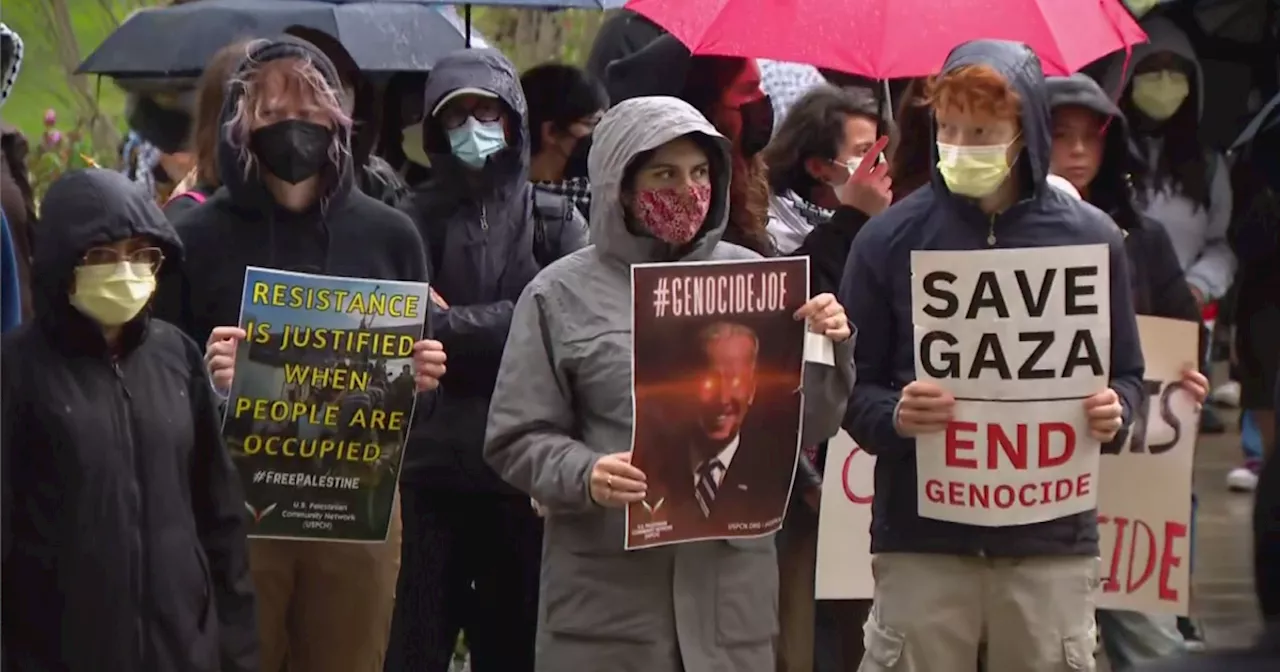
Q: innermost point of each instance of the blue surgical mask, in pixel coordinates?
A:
(475, 141)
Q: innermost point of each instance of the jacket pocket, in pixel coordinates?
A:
(884, 646)
(1078, 651)
(622, 596)
(747, 592)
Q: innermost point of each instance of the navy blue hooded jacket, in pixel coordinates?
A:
(876, 292)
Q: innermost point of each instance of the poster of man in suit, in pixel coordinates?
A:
(717, 361)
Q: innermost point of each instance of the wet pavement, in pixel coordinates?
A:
(1222, 598)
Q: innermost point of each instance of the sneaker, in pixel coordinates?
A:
(1243, 478)
(1226, 395)
(1191, 636)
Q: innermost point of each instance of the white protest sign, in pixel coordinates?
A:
(1144, 490)
(1020, 337)
(844, 522)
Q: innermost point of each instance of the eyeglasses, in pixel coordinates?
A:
(149, 257)
(484, 111)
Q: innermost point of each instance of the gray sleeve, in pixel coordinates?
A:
(826, 393)
(1213, 272)
(529, 441)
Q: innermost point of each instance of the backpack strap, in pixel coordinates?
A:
(550, 212)
(192, 194)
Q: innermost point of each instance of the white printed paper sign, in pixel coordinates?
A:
(844, 522)
(1020, 337)
(1144, 493)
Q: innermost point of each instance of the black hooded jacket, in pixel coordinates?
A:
(1159, 286)
(345, 234)
(124, 531)
(479, 230)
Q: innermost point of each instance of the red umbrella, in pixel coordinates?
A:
(886, 39)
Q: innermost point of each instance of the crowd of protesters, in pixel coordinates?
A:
(523, 200)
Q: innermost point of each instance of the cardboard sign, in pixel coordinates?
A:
(1144, 495)
(844, 522)
(1020, 337)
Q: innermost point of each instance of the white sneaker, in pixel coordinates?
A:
(1242, 479)
(1227, 394)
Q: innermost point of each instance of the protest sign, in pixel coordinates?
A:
(844, 522)
(1020, 337)
(717, 358)
(322, 401)
(1144, 491)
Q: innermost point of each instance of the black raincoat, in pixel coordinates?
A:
(479, 230)
(124, 530)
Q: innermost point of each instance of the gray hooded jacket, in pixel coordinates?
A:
(564, 400)
(1199, 235)
(478, 228)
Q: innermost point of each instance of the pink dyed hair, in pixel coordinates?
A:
(297, 79)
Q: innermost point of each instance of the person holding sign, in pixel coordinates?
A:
(1026, 587)
(124, 533)
(289, 202)
(561, 419)
(1091, 149)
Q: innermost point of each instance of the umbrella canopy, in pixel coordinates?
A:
(886, 39)
(381, 35)
(1267, 119)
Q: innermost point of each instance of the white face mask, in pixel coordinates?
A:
(411, 145)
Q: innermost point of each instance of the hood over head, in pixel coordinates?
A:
(10, 60)
(246, 187)
(84, 209)
(1163, 35)
(1020, 67)
(627, 130)
(659, 69)
(1119, 158)
(488, 70)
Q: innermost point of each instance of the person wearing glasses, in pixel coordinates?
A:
(123, 529)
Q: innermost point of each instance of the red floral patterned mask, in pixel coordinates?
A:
(673, 214)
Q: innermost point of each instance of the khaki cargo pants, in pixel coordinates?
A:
(931, 613)
(325, 606)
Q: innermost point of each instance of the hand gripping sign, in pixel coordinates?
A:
(1020, 337)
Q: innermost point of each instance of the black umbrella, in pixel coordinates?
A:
(1267, 119)
(381, 35)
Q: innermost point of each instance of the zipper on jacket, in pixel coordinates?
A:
(139, 570)
(484, 218)
(991, 231)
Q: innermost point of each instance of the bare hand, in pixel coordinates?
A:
(438, 300)
(1194, 383)
(924, 408)
(869, 189)
(826, 316)
(1199, 295)
(1105, 414)
(614, 482)
(428, 364)
(538, 508)
(220, 356)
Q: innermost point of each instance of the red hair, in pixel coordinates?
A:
(973, 88)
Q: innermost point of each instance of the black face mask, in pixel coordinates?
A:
(293, 150)
(757, 126)
(576, 165)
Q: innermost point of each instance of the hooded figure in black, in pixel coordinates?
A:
(124, 530)
(486, 239)
(289, 202)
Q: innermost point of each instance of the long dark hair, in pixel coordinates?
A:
(911, 156)
(707, 79)
(1183, 162)
(813, 128)
(210, 94)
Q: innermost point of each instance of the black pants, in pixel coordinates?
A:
(468, 562)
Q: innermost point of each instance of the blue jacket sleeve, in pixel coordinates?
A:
(10, 296)
(1127, 365)
(869, 304)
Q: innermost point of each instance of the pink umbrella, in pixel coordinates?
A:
(887, 39)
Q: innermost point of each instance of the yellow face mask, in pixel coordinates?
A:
(1160, 95)
(974, 171)
(113, 294)
(1139, 8)
(411, 145)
